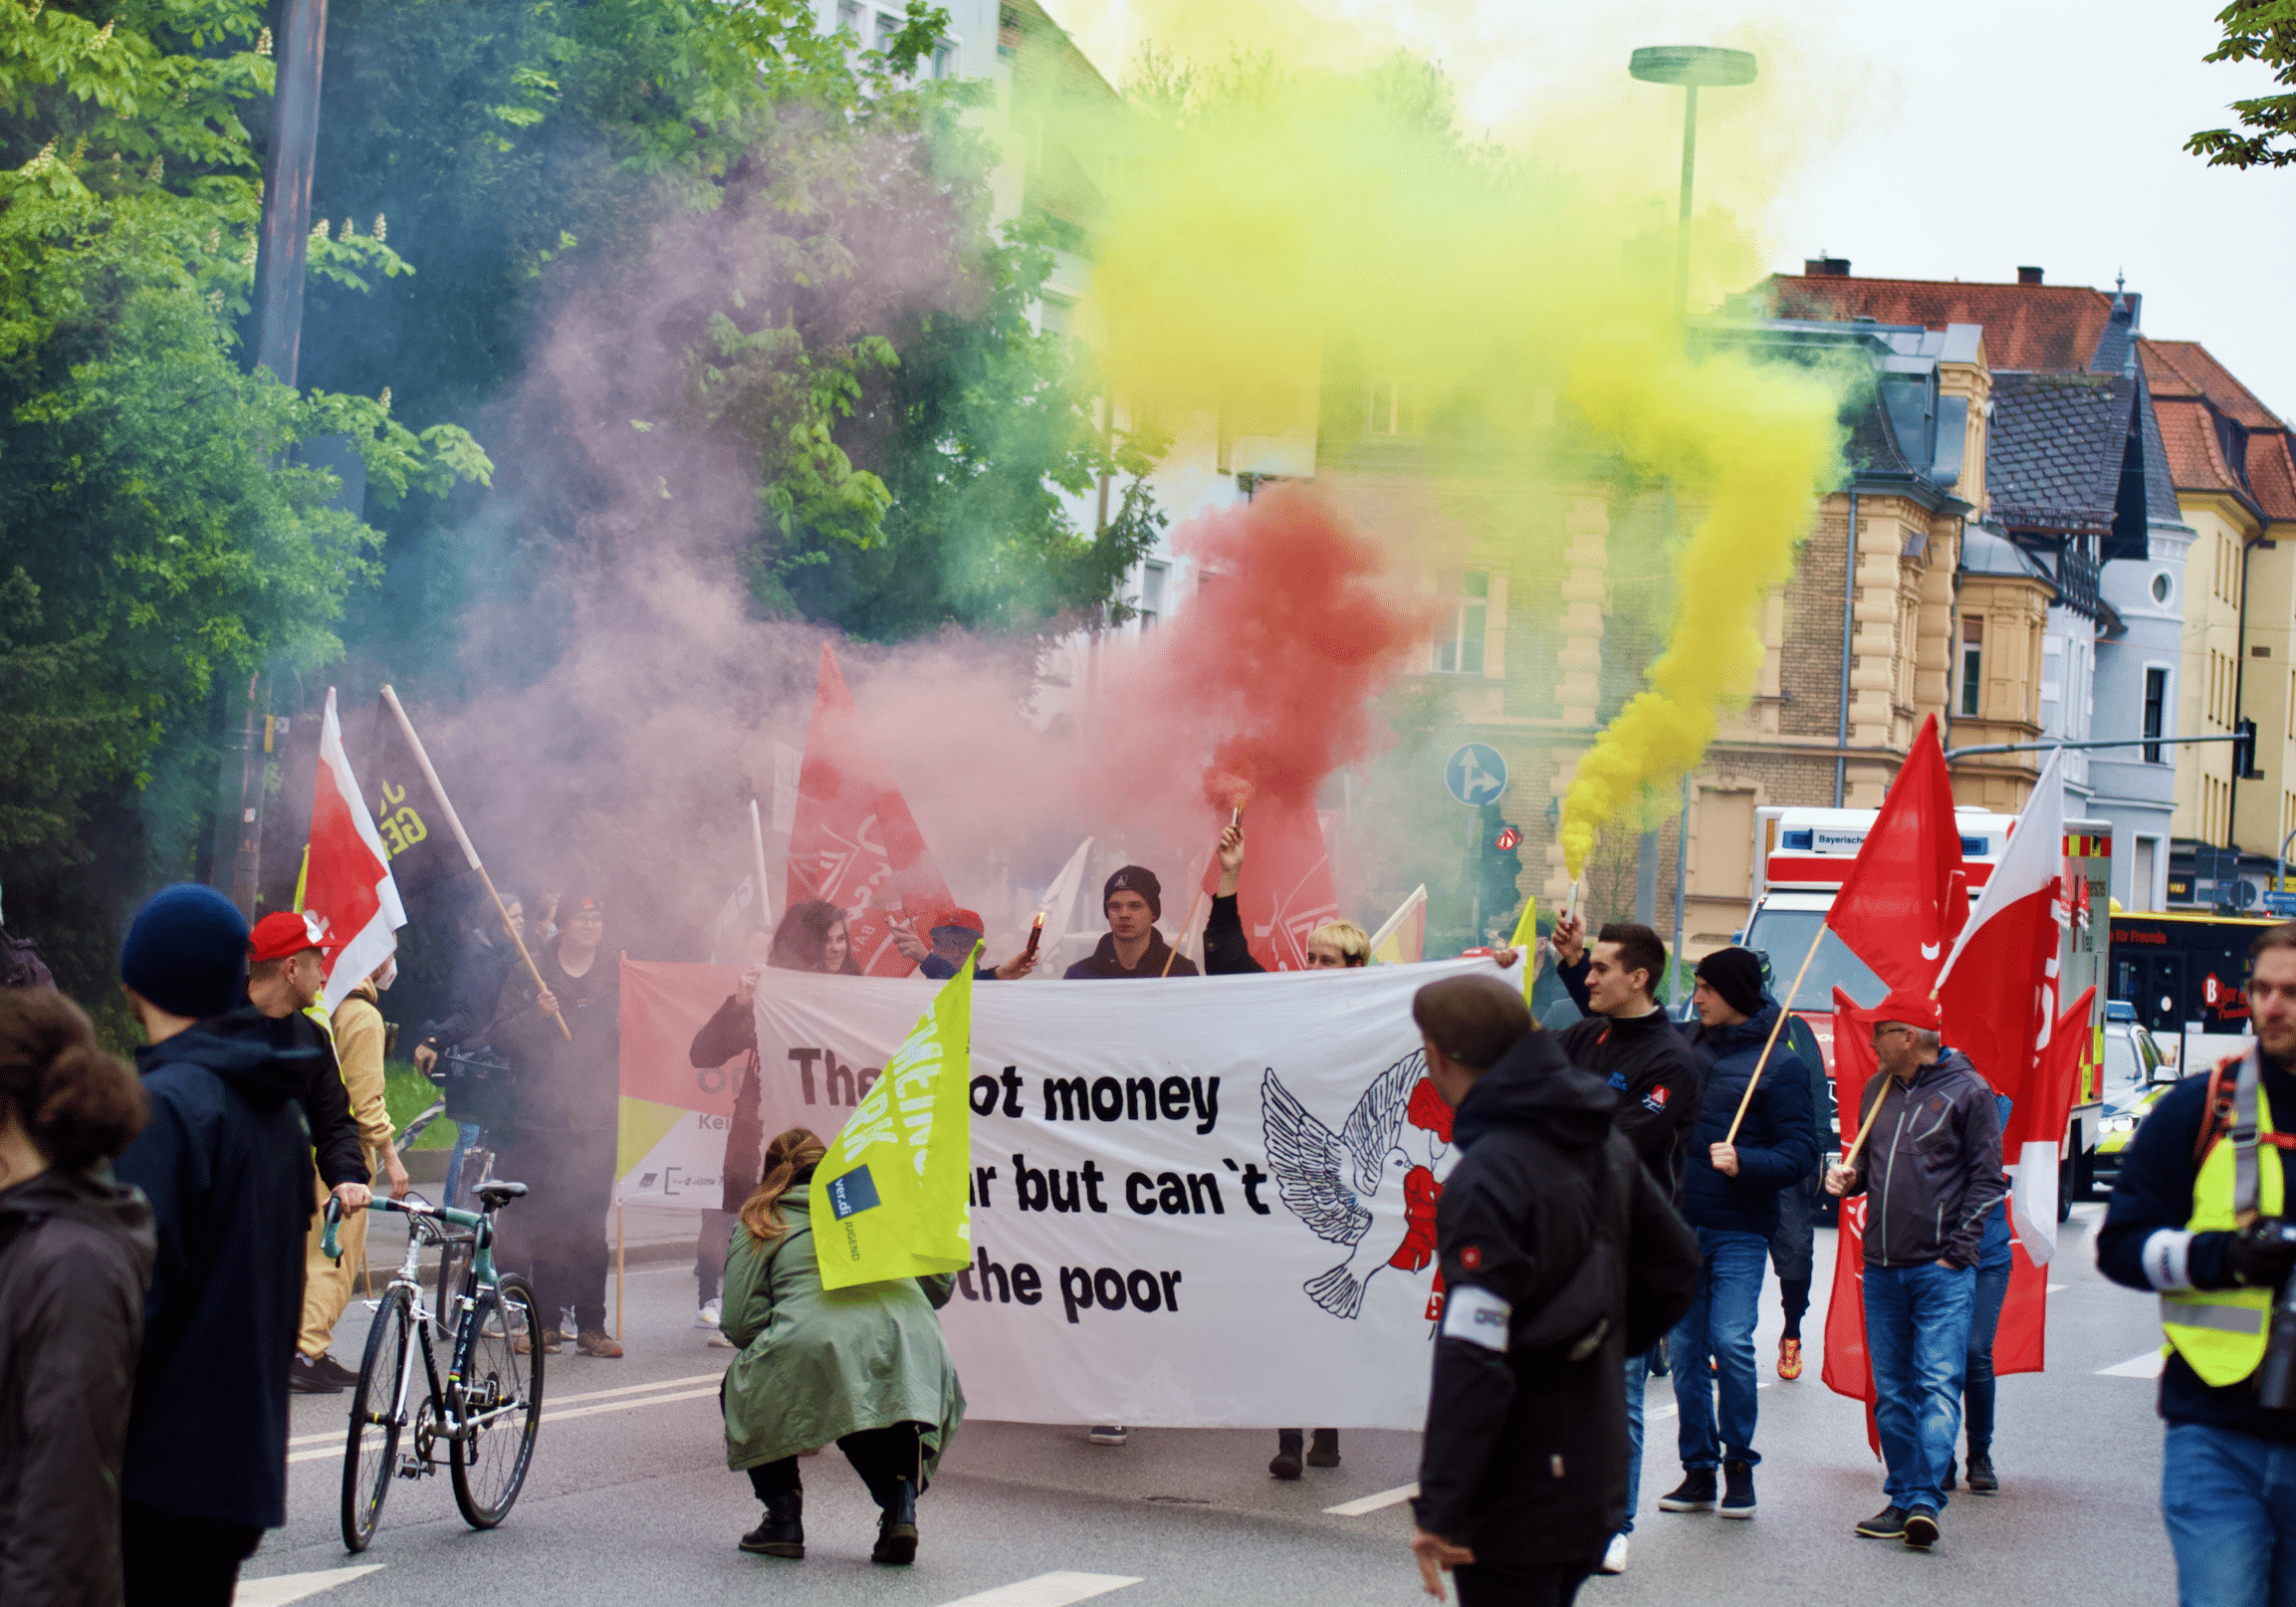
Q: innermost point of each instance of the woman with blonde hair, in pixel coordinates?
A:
(863, 1366)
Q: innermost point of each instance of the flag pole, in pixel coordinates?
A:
(1849, 1156)
(1785, 1009)
(1174, 953)
(470, 854)
(758, 853)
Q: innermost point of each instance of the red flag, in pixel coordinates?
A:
(348, 883)
(1286, 889)
(1905, 897)
(854, 841)
(1998, 996)
(1848, 1370)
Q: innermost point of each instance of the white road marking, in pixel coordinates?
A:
(1047, 1590)
(2148, 1365)
(1372, 1504)
(330, 1444)
(282, 1588)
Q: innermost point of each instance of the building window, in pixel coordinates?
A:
(2160, 588)
(1972, 663)
(849, 17)
(1155, 580)
(2156, 711)
(1459, 651)
(945, 59)
(1389, 410)
(889, 28)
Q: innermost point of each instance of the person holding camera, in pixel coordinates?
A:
(2200, 1215)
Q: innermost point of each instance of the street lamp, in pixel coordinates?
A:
(1694, 66)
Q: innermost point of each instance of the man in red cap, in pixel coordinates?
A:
(1931, 1172)
(954, 932)
(286, 976)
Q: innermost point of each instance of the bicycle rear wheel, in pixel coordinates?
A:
(370, 1459)
(502, 1400)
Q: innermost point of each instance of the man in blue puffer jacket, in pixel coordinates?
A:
(1731, 1200)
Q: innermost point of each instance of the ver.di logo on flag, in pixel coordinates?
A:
(855, 1192)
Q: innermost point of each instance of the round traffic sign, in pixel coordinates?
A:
(1510, 837)
(1476, 773)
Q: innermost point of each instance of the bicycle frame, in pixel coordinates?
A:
(448, 1402)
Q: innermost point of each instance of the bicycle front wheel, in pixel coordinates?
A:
(501, 1407)
(370, 1459)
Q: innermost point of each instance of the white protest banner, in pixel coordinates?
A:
(1197, 1201)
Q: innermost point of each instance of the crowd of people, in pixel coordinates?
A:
(1624, 1180)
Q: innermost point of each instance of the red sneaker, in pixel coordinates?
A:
(1789, 1358)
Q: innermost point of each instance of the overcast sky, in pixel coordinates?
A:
(1955, 138)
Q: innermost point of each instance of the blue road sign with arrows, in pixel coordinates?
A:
(1476, 773)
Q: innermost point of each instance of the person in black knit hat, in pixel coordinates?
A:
(1133, 901)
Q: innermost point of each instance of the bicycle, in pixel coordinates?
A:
(489, 1407)
(454, 1248)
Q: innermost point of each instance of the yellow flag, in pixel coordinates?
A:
(890, 1199)
(1526, 942)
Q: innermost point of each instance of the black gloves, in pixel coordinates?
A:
(2262, 1255)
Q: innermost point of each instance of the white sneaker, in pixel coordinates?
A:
(1109, 1435)
(707, 1317)
(719, 1341)
(1614, 1555)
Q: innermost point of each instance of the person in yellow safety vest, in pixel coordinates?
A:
(2197, 1217)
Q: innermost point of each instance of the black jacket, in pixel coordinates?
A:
(226, 1165)
(1102, 961)
(730, 1033)
(74, 1251)
(2153, 1194)
(1563, 1245)
(560, 1086)
(1777, 1144)
(1226, 951)
(1650, 1066)
(1932, 1165)
(338, 1150)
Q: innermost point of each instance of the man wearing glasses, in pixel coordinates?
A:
(1931, 1172)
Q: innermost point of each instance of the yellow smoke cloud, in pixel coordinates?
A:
(1274, 238)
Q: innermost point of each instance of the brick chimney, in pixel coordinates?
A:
(2028, 276)
(1826, 266)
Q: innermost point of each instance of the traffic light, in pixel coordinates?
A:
(2244, 750)
(1497, 865)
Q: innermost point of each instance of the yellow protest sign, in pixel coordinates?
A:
(889, 1198)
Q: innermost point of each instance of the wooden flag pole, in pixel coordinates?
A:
(758, 853)
(1849, 1157)
(1174, 953)
(1785, 1009)
(470, 854)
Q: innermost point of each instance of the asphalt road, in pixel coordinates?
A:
(629, 1499)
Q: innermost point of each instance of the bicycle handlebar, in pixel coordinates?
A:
(423, 1208)
(328, 1245)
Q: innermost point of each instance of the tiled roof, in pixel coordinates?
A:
(2051, 328)
(2190, 389)
(1985, 551)
(2184, 369)
(2159, 486)
(2053, 454)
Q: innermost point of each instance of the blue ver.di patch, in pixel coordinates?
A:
(852, 1194)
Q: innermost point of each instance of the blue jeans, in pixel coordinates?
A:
(1637, 1383)
(464, 1140)
(1917, 1333)
(1978, 1382)
(1720, 1323)
(2230, 1500)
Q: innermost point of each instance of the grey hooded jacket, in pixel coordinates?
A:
(1932, 1167)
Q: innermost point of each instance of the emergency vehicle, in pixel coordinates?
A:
(1801, 856)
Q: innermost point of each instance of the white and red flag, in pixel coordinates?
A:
(1998, 996)
(1907, 897)
(348, 885)
(854, 843)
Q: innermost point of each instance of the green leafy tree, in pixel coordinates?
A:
(155, 535)
(2256, 31)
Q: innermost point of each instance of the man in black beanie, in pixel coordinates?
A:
(1133, 901)
(226, 1165)
(1729, 1197)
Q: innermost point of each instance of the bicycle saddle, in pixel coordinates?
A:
(495, 1193)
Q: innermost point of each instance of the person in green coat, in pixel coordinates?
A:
(865, 1366)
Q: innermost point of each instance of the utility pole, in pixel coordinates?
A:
(282, 242)
(1692, 67)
